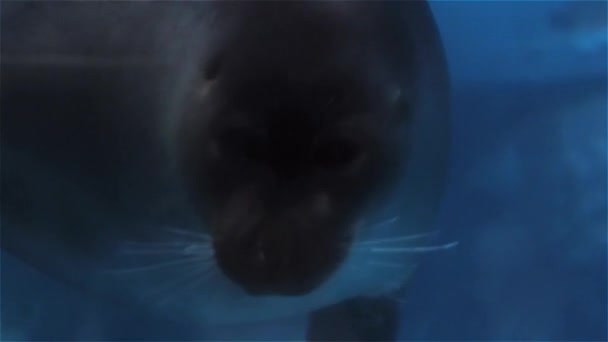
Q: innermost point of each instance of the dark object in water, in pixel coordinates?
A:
(110, 138)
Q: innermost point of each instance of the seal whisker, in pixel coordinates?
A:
(382, 264)
(173, 284)
(384, 222)
(179, 251)
(153, 246)
(174, 244)
(396, 239)
(186, 233)
(418, 249)
(201, 250)
(153, 251)
(202, 278)
(160, 248)
(190, 281)
(161, 265)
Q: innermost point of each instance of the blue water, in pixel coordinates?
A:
(527, 196)
(527, 200)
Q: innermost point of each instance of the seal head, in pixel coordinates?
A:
(283, 149)
(237, 174)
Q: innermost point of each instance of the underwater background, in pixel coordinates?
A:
(526, 199)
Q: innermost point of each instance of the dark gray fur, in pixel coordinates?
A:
(96, 130)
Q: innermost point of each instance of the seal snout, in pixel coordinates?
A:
(266, 262)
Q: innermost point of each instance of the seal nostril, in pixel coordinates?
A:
(260, 257)
(260, 254)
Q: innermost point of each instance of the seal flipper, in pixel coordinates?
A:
(357, 319)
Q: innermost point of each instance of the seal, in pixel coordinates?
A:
(297, 150)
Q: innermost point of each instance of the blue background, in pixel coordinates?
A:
(527, 196)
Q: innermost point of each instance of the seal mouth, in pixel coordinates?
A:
(264, 264)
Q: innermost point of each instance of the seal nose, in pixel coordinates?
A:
(261, 266)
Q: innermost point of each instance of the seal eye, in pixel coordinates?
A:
(337, 153)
